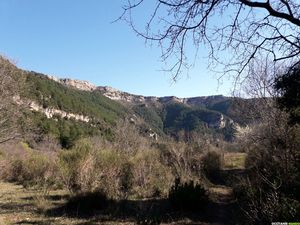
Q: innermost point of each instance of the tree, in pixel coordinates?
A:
(8, 108)
(244, 28)
(269, 191)
(288, 86)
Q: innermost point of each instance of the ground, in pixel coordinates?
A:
(233, 160)
(19, 205)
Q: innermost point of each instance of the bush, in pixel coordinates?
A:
(271, 190)
(211, 166)
(84, 169)
(31, 168)
(182, 159)
(187, 196)
(70, 162)
(150, 177)
(264, 207)
(113, 171)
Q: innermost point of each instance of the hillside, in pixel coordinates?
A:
(69, 109)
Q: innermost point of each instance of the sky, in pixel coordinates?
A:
(78, 39)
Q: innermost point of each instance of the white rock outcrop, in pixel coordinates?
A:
(49, 112)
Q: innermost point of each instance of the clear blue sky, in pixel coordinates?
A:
(76, 39)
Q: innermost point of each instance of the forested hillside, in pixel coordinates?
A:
(68, 113)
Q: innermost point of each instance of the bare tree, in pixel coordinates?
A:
(8, 109)
(243, 29)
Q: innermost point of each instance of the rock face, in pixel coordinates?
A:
(218, 121)
(78, 84)
(49, 112)
(118, 95)
(81, 85)
(115, 94)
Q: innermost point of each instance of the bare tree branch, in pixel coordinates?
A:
(8, 109)
(239, 29)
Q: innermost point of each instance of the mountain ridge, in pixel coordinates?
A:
(116, 94)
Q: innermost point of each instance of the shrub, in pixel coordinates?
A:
(113, 170)
(150, 176)
(70, 162)
(184, 160)
(187, 196)
(31, 168)
(263, 207)
(84, 169)
(271, 190)
(211, 166)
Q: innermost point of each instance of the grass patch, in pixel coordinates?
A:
(234, 160)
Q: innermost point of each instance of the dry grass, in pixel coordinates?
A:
(26, 206)
(234, 160)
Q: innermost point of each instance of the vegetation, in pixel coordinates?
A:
(212, 166)
(288, 86)
(111, 165)
(188, 196)
(250, 29)
(49, 93)
(30, 168)
(8, 113)
(268, 193)
(104, 114)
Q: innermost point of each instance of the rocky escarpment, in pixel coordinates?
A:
(49, 112)
(216, 121)
(78, 84)
(118, 95)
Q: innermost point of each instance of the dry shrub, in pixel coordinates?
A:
(110, 166)
(115, 173)
(128, 138)
(84, 169)
(150, 176)
(41, 202)
(30, 168)
(184, 160)
(270, 192)
(211, 165)
(70, 162)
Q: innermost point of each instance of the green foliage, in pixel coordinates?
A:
(222, 106)
(169, 118)
(288, 86)
(188, 196)
(150, 115)
(179, 116)
(66, 131)
(53, 94)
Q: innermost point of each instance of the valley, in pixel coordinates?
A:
(75, 153)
